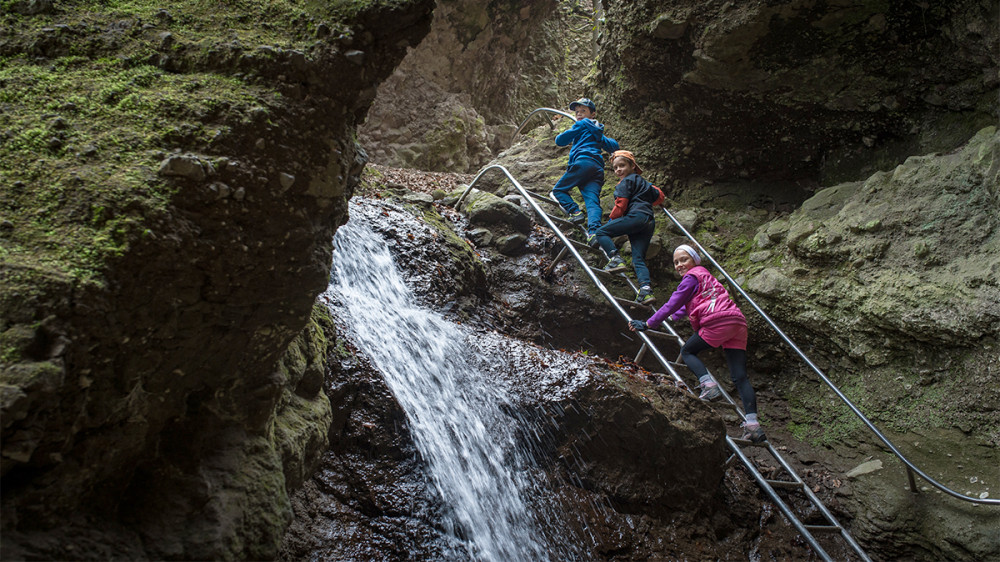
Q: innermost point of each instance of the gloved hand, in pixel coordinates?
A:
(637, 325)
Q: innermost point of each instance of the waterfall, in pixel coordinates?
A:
(455, 413)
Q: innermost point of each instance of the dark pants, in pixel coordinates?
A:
(639, 229)
(736, 359)
(588, 175)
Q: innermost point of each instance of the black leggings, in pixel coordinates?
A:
(736, 359)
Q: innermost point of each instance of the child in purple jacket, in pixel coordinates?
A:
(717, 322)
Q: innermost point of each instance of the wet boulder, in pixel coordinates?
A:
(488, 210)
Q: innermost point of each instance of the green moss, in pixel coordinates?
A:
(82, 151)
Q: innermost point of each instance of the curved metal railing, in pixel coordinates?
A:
(569, 246)
(537, 111)
(910, 467)
(803, 529)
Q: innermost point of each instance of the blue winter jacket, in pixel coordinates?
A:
(587, 138)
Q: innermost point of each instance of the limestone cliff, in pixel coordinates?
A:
(797, 89)
(171, 179)
(454, 112)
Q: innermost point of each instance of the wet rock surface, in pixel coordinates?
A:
(628, 461)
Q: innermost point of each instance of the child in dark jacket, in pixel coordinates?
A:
(632, 215)
(718, 322)
(586, 165)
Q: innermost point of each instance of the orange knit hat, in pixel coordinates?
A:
(628, 156)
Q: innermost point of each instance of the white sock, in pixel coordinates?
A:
(705, 378)
(752, 419)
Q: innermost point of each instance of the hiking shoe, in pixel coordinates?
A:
(645, 296)
(709, 391)
(614, 264)
(578, 217)
(753, 432)
(592, 240)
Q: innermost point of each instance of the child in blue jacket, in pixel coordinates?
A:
(586, 166)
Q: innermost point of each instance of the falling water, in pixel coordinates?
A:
(453, 409)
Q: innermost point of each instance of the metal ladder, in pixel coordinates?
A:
(911, 469)
(788, 481)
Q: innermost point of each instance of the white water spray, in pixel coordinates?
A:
(453, 409)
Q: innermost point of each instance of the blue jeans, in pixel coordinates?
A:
(736, 360)
(588, 175)
(639, 229)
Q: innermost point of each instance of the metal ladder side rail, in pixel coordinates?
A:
(786, 510)
(648, 343)
(562, 251)
(769, 484)
(576, 255)
(911, 468)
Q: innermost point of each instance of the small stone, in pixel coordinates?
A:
(89, 151)
(260, 144)
(286, 180)
(511, 244)
(6, 225)
(664, 27)
(322, 30)
(355, 56)
(481, 236)
(55, 144)
(183, 165)
(58, 123)
(864, 468)
(220, 190)
(239, 194)
(165, 40)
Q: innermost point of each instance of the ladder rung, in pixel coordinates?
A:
(586, 247)
(559, 220)
(631, 304)
(823, 528)
(784, 484)
(659, 335)
(600, 271)
(748, 443)
(541, 197)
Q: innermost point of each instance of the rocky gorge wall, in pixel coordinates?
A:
(796, 90)
(172, 178)
(454, 113)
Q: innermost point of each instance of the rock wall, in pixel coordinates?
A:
(797, 89)
(456, 98)
(899, 275)
(171, 180)
(893, 281)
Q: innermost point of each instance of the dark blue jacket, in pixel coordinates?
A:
(640, 194)
(587, 138)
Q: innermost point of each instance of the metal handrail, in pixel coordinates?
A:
(541, 110)
(648, 343)
(910, 467)
(569, 246)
